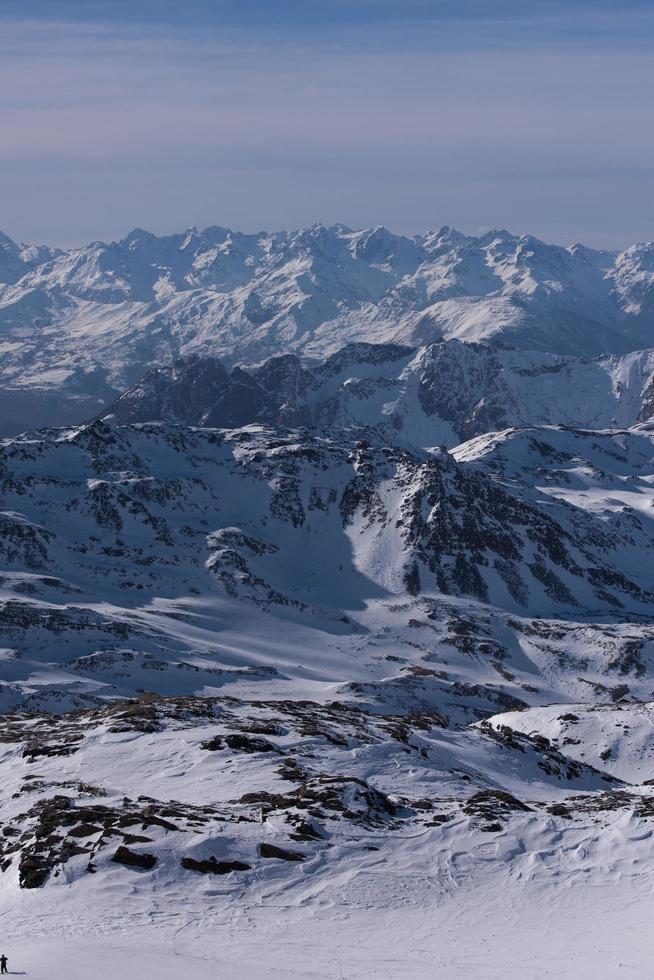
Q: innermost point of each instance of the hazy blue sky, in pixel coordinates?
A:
(536, 116)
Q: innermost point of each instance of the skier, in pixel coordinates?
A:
(3, 964)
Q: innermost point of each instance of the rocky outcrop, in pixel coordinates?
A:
(134, 859)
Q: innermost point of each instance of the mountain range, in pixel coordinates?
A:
(438, 395)
(326, 604)
(78, 326)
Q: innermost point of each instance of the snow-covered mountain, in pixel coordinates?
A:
(78, 326)
(439, 395)
(124, 547)
(17, 259)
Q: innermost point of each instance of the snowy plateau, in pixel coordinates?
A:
(327, 607)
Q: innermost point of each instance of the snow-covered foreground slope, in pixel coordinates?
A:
(331, 843)
(286, 702)
(380, 923)
(79, 326)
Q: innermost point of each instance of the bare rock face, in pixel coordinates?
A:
(213, 866)
(134, 859)
(203, 391)
(280, 853)
(239, 743)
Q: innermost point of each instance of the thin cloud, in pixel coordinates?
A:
(233, 129)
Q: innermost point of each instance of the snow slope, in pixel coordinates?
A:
(304, 702)
(379, 886)
(126, 545)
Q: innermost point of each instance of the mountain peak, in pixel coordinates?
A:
(138, 236)
(6, 241)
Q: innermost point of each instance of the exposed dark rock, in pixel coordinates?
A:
(32, 872)
(239, 743)
(272, 851)
(213, 866)
(134, 859)
(559, 810)
(84, 830)
(493, 803)
(305, 831)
